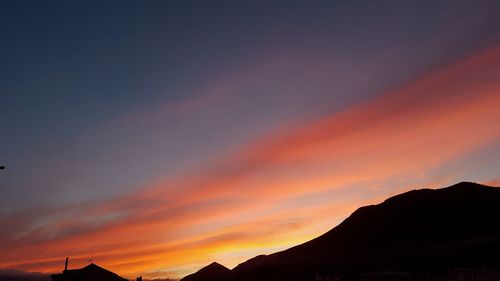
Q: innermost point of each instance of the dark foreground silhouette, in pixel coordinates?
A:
(213, 271)
(445, 234)
(91, 272)
(17, 275)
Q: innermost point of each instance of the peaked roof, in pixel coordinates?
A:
(91, 272)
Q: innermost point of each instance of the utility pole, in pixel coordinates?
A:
(66, 264)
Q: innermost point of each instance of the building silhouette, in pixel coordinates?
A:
(91, 272)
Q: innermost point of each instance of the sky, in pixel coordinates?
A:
(160, 136)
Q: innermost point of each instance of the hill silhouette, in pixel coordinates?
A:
(425, 232)
(211, 272)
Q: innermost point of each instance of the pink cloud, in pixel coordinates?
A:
(239, 202)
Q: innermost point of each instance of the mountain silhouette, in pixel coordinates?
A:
(424, 232)
(211, 272)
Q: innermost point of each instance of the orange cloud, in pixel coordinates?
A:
(281, 191)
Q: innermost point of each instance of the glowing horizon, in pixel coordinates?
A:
(248, 198)
(180, 142)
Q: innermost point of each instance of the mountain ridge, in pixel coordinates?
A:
(211, 272)
(421, 229)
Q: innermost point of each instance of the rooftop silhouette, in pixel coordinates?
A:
(91, 272)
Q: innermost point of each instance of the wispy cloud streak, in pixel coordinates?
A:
(282, 190)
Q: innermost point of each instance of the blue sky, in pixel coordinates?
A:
(109, 99)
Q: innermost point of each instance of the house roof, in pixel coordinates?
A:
(91, 272)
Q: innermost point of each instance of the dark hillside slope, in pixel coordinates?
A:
(211, 272)
(420, 231)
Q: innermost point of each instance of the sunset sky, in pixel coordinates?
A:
(159, 136)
